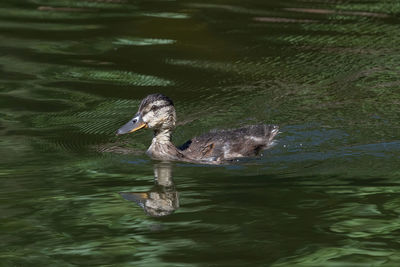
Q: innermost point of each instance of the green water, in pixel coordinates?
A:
(326, 72)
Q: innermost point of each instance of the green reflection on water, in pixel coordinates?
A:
(73, 71)
(114, 76)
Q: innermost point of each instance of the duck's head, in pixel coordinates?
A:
(156, 111)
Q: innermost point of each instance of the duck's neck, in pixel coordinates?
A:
(162, 136)
(161, 147)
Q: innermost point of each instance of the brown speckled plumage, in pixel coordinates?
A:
(226, 145)
(216, 147)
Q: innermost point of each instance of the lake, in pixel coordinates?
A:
(73, 193)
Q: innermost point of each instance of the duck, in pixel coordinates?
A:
(157, 112)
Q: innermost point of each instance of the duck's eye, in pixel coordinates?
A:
(134, 121)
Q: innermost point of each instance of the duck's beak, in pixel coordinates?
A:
(139, 198)
(136, 123)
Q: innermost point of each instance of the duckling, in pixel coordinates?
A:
(157, 112)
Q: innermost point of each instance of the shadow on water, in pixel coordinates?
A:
(162, 199)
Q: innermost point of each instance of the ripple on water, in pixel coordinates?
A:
(352, 253)
(326, 72)
(123, 77)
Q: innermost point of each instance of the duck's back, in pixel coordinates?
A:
(225, 145)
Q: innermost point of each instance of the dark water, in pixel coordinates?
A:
(327, 72)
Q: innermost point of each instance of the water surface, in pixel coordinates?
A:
(326, 72)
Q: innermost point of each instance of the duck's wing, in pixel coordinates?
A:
(248, 141)
(199, 148)
(229, 144)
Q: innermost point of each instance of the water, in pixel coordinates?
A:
(326, 72)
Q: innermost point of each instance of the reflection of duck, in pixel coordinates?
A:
(162, 199)
(157, 111)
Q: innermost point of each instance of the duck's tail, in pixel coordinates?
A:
(271, 132)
